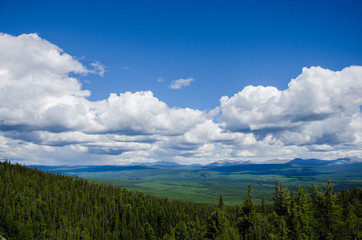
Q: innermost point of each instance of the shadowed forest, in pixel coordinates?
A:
(39, 205)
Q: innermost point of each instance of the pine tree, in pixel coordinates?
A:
(302, 214)
(221, 203)
(247, 220)
(250, 191)
(149, 232)
(217, 224)
(263, 204)
(331, 209)
(181, 231)
(281, 200)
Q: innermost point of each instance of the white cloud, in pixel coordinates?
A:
(33, 54)
(317, 94)
(47, 118)
(319, 107)
(98, 69)
(42, 105)
(181, 83)
(36, 90)
(142, 113)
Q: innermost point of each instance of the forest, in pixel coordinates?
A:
(39, 205)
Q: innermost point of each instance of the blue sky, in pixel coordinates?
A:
(223, 46)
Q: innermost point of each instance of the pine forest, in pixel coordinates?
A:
(41, 205)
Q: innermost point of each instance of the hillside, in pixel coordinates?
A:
(39, 205)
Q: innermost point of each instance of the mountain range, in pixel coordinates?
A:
(217, 165)
(228, 163)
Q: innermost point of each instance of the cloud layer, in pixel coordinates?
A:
(47, 118)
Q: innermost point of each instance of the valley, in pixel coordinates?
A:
(205, 183)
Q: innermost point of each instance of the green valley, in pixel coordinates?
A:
(203, 184)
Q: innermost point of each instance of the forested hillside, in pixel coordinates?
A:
(39, 205)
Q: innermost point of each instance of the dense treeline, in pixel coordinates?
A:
(39, 205)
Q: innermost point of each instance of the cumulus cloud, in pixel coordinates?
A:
(35, 86)
(142, 113)
(181, 83)
(33, 54)
(46, 116)
(317, 94)
(319, 107)
(41, 104)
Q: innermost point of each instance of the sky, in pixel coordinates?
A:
(116, 82)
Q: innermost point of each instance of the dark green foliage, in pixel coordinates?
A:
(300, 215)
(281, 199)
(247, 219)
(217, 225)
(39, 205)
(263, 204)
(221, 204)
(149, 233)
(181, 231)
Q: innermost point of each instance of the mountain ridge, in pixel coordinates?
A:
(213, 165)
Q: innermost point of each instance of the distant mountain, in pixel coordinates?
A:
(277, 168)
(164, 164)
(226, 163)
(86, 168)
(347, 160)
(308, 162)
(274, 161)
(318, 162)
(223, 165)
(296, 161)
(230, 163)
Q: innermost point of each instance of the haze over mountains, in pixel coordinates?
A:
(224, 163)
(213, 165)
(296, 161)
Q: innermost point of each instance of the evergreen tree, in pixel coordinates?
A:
(217, 224)
(250, 191)
(331, 212)
(181, 231)
(301, 211)
(247, 221)
(263, 204)
(149, 233)
(317, 204)
(221, 203)
(281, 199)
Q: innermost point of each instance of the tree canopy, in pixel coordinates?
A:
(40, 205)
